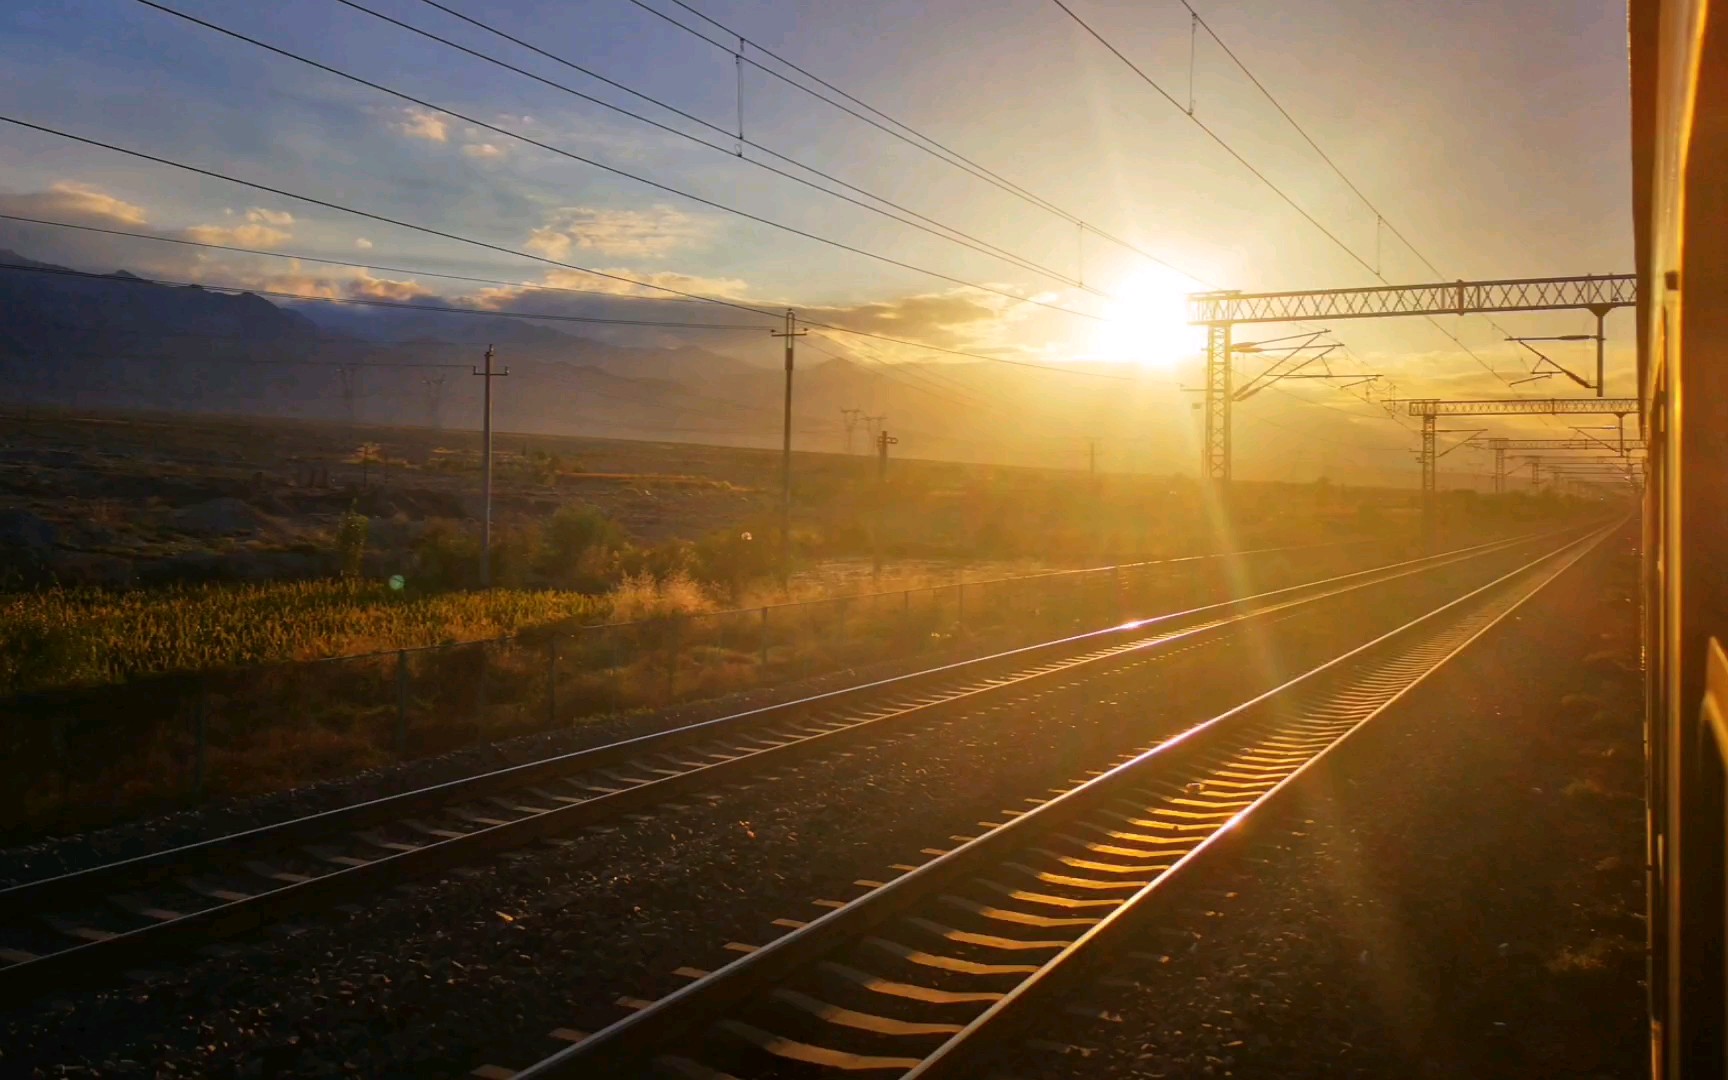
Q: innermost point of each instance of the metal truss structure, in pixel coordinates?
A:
(1563, 444)
(1501, 446)
(1220, 311)
(1435, 298)
(1431, 408)
(1428, 408)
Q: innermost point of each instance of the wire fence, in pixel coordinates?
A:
(88, 756)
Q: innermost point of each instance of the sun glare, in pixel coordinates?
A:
(1148, 323)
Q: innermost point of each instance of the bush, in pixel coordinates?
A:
(351, 543)
(446, 557)
(728, 561)
(579, 549)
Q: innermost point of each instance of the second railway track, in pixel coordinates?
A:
(932, 973)
(83, 927)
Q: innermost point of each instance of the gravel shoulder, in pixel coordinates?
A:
(1457, 893)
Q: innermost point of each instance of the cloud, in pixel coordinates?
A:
(333, 283)
(70, 200)
(549, 243)
(654, 231)
(507, 296)
(422, 124)
(263, 229)
(363, 244)
(483, 151)
(375, 288)
(956, 319)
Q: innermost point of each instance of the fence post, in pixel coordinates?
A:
(552, 681)
(674, 642)
(63, 758)
(401, 703)
(480, 703)
(764, 661)
(200, 709)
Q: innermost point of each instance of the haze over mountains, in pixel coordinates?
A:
(116, 341)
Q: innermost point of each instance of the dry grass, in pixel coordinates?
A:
(70, 637)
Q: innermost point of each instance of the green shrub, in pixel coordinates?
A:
(351, 543)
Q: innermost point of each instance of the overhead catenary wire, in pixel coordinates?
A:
(300, 257)
(414, 271)
(615, 170)
(930, 225)
(502, 249)
(1380, 218)
(425, 307)
(1266, 180)
(898, 129)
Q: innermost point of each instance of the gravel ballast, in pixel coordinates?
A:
(1456, 893)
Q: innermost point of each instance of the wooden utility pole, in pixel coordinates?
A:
(791, 332)
(486, 468)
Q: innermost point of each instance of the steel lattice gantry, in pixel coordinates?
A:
(1428, 409)
(1500, 446)
(1436, 298)
(1219, 311)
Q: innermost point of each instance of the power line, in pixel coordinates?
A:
(487, 281)
(487, 245)
(1201, 124)
(417, 272)
(1264, 179)
(614, 170)
(940, 230)
(131, 278)
(912, 137)
(1380, 218)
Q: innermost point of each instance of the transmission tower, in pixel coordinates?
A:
(435, 400)
(850, 418)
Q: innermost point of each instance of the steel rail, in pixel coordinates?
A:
(1184, 798)
(516, 808)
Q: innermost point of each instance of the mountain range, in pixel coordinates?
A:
(118, 341)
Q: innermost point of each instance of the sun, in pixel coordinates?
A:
(1147, 322)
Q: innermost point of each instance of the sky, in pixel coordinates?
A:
(1492, 136)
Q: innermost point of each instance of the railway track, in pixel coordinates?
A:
(84, 928)
(932, 973)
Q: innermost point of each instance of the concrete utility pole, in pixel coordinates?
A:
(791, 332)
(486, 468)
